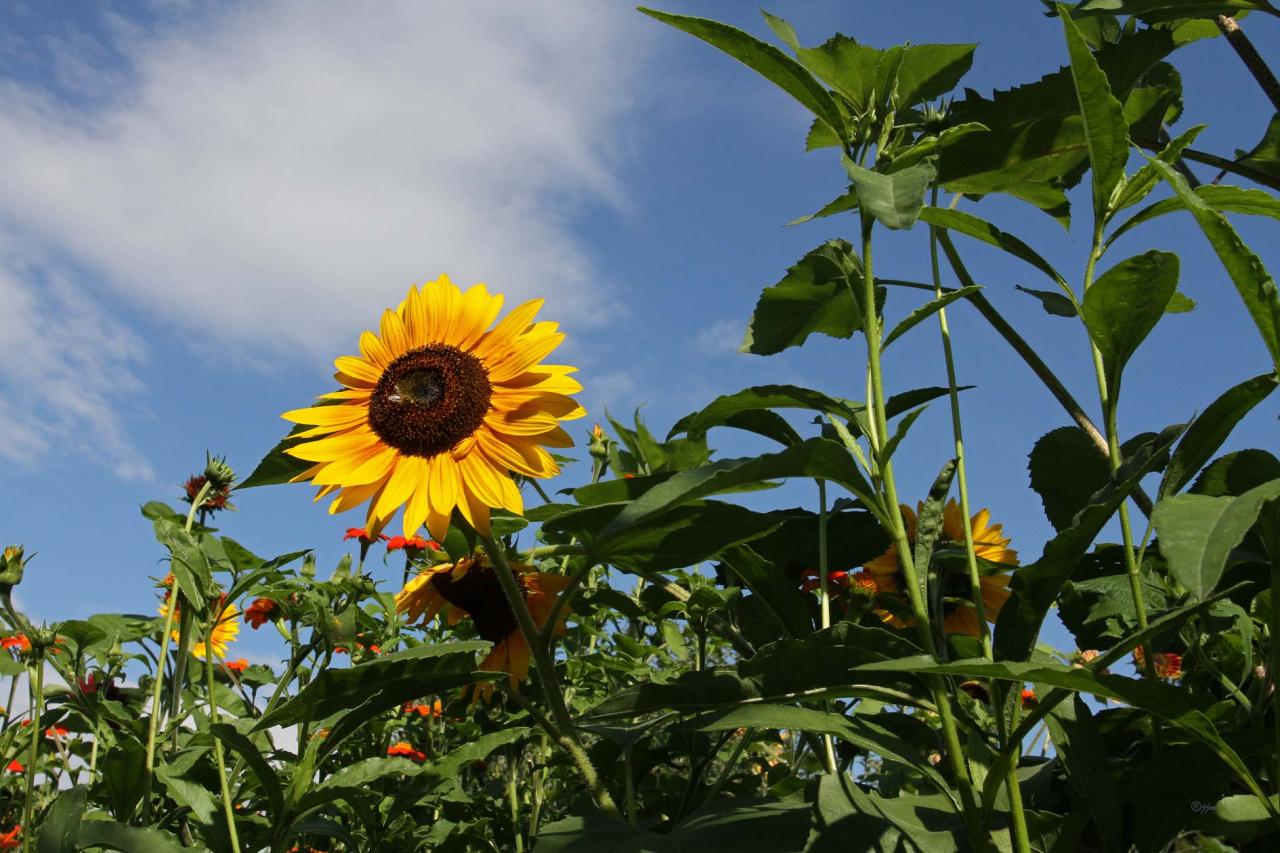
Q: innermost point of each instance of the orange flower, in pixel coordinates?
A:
(411, 544)
(363, 535)
(1167, 664)
(16, 641)
(1028, 698)
(11, 840)
(989, 543)
(237, 665)
(406, 750)
(262, 611)
(56, 732)
(435, 709)
(471, 588)
(811, 576)
(15, 766)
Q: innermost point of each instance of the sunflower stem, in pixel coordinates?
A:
(563, 730)
(878, 422)
(824, 597)
(153, 723)
(218, 757)
(36, 682)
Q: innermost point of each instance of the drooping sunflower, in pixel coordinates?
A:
(470, 588)
(225, 631)
(989, 543)
(439, 410)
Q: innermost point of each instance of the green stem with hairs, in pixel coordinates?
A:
(36, 682)
(225, 787)
(153, 723)
(563, 730)
(878, 420)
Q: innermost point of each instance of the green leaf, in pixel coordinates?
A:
(1198, 532)
(187, 560)
(1238, 817)
(925, 311)
(930, 71)
(1067, 468)
(780, 597)
(765, 59)
(763, 397)
(591, 833)
(1227, 199)
(1124, 305)
(1153, 11)
(123, 777)
(1265, 156)
(61, 823)
(1053, 303)
(1079, 745)
(894, 199)
(1136, 188)
(1105, 129)
(251, 753)
(1252, 281)
(816, 457)
(1167, 701)
(1236, 473)
(277, 466)
(1036, 586)
(980, 229)
(383, 683)
(1211, 428)
(851, 820)
(744, 825)
(861, 731)
(111, 835)
(682, 537)
(844, 203)
(818, 294)
(189, 793)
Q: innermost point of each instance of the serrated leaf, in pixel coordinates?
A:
(819, 294)
(1066, 470)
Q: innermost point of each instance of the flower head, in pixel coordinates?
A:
(260, 612)
(15, 766)
(12, 839)
(16, 641)
(56, 732)
(411, 544)
(224, 632)
(238, 665)
(471, 588)
(1167, 664)
(989, 543)
(1028, 697)
(406, 750)
(12, 566)
(439, 410)
(363, 535)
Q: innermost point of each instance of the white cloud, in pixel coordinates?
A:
(723, 337)
(267, 176)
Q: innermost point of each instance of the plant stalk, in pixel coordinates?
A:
(225, 787)
(36, 682)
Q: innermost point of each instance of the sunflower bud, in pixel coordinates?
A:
(12, 566)
(598, 445)
(308, 569)
(219, 474)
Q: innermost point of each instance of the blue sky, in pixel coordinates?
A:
(203, 203)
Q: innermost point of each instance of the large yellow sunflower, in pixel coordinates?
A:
(989, 543)
(224, 632)
(439, 410)
(471, 589)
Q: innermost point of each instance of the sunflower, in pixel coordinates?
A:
(989, 543)
(224, 632)
(438, 411)
(471, 589)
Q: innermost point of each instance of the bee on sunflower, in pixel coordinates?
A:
(469, 588)
(438, 412)
(989, 543)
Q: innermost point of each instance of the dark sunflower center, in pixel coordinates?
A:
(429, 399)
(479, 593)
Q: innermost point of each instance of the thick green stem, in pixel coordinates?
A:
(563, 730)
(876, 411)
(513, 797)
(824, 597)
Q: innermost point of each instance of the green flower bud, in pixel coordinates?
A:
(12, 566)
(219, 474)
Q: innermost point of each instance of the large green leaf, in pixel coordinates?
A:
(1236, 473)
(1105, 129)
(277, 466)
(894, 199)
(765, 59)
(1211, 428)
(1036, 586)
(251, 754)
(779, 595)
(1124, 305)
(722, 410)
(61, 822)
(1147, 178)
(1079, 746)
(740, 824)
(110, 835)
(814, 458)
(1198, 532)
(1066, 468)
(1167, 701)
(383, 683)
(980, 229)
(1250, 277)
(851, 820)
(1154, 11)
(818, 294)
(684, 536)
(1228, 199)
(1265, 156)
